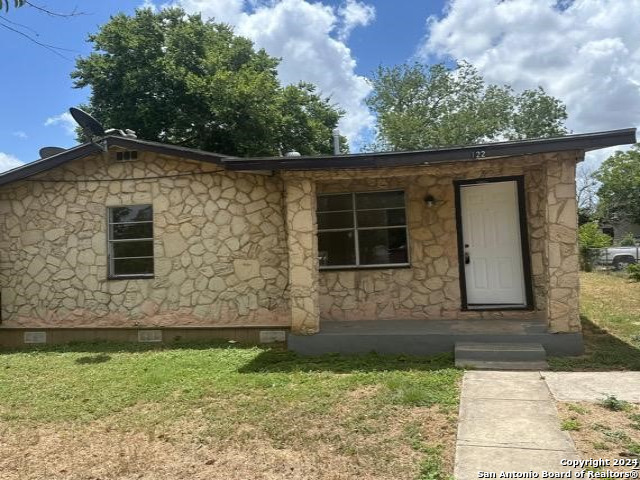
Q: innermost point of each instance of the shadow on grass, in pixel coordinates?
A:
(281, 361)
(603, 351)
(266, 360)
(92, 360)
(102, 347)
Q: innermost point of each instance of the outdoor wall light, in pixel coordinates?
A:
(430, 201)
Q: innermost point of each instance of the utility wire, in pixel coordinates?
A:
(118, 179)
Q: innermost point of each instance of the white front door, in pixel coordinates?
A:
(492, 244)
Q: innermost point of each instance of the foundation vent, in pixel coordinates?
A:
(272, 336)
(149, 336)
(35, 337)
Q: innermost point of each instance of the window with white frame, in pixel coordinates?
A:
(131, 241)
(362, 229)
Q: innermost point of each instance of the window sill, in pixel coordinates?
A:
(365, 267)
(498, 308)
(131, 277)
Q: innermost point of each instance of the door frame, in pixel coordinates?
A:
(524, 240)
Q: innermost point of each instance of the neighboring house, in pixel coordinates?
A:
(618, 230)
(149, 240)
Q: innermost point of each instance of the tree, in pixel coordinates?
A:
(591, 238)
(419, 106)
(25, 31)
(619, 191)
(628, 240)
(4, 4)
(586, 193)
(175, 78)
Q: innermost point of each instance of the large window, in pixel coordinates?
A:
(131, 241)
(366, 229)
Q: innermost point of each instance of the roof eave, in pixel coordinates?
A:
(582, 142)
(86, 149)
(166, 149)
(40, 166)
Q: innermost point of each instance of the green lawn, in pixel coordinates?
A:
(610, 312)
(211, 410)
(221, 411)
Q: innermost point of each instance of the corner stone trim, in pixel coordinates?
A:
(303, 255)
(562, 247)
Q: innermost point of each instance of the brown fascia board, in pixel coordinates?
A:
(583, 142)
(44, 164)
(167, 149)
(87, 149)
(468, 153)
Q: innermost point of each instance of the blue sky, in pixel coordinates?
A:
(587, 53)
(37, 85)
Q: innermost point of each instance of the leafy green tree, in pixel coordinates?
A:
(591, 238)
(628, 240)
(175, 78)
(419, 106)
(634, 272)
(586, 194)
(28, 33)
(619, 191)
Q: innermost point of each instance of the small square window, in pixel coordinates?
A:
(131, 241)
(126, 156)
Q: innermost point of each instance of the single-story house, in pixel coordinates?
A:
(132, 239)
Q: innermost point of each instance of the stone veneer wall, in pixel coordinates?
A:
(303, 255)
(562, 249)
(230, 247)
(220, 248)
(429, 289)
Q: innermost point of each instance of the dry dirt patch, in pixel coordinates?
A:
(349, 443)
(201, 411)
(600, 432)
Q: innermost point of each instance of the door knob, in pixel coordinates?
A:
(467, 259)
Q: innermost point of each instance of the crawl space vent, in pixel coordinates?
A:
(125, 156)
(148, 336)
(35, 337)
(272, 336)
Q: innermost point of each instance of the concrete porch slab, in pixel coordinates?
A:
(428, 337)
(402, 327)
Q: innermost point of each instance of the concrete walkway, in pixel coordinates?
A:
(593, 386)
(509, 422)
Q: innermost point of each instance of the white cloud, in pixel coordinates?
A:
(355, 14)
(227, 11)
(65, 120)
(20, 134)
(585, 52)
(148, 4)
(7, 162)
(311, 40)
